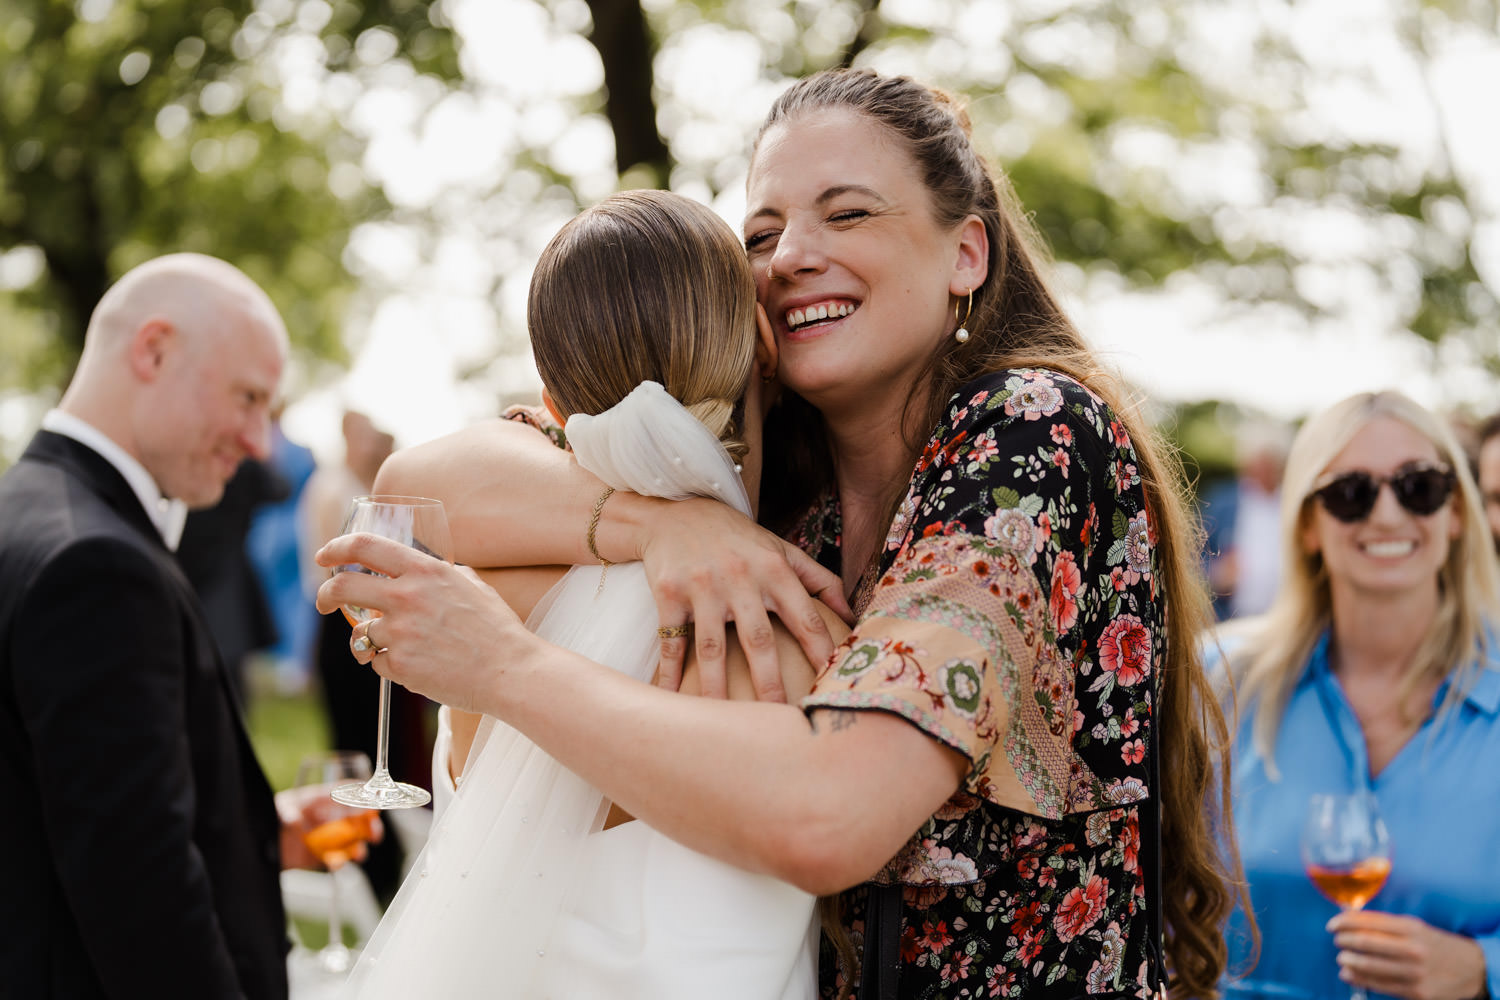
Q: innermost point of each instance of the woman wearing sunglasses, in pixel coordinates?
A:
(1375, 670)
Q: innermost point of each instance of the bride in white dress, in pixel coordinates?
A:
(521, 891)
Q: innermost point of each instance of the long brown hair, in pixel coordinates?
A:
(646, 285)
(1016, 322)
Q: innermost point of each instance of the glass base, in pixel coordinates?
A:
(378, 794)
(336, 958)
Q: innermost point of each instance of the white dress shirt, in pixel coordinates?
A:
(168, 516)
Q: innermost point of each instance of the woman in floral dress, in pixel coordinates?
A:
(972, 775)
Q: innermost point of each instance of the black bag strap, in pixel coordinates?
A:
(1151, 863)
(880, 968)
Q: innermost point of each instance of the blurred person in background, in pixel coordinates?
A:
(1489, 473)
(351, 697)
(141, 838)
(1375, 671)
(214, 554)
(275, 549)
(1243, 519)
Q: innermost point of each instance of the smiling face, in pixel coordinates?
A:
(1392, 551)
(855, 272)
(210, 408)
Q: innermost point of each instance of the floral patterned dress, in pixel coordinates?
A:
(1013, 616)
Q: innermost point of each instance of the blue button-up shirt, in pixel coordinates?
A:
(1439, 797)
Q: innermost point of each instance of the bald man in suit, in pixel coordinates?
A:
(141, 841)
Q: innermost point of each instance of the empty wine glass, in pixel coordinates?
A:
(1346, 851)
(337, 832)
(422, 524)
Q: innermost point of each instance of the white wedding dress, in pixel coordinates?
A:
(520, 893)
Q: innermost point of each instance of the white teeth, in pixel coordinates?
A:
(812, 314)
(1387, 549)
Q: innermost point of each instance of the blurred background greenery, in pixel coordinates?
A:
(389, 169)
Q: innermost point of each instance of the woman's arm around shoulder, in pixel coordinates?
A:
(513, 498)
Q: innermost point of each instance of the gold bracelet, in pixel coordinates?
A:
(604, 563)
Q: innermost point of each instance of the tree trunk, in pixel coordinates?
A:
(623, 40)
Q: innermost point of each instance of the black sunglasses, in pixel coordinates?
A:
(1422, 490)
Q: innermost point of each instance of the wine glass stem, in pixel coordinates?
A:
(383, 730)
(1358, 993)
(335, 928)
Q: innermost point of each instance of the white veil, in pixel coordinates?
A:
(482, 901)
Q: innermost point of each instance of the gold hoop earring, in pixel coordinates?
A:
(962, 334)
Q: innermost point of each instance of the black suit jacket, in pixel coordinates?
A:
(140, 841)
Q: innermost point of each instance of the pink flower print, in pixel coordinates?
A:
(1031, 947)
(1080, 908)
(1035, 399)
(1138, 547)
(952, 869)
(1133, 752)
(911, 947)
(1118, 435)
(985, 450)
(1101, 978)
(1066, 582)
(954, 449)
(935, 937)
(1125, 791)
(979, 397)
(1012, 530)
(1129, 724)
(1130, 841)
(1125, 649)
(1044, 529)
(902, 523)
(1060, 460)
(1062, 434)
(1027, 918)
(957, 968)
(1000, 980)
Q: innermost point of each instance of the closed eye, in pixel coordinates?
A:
(759, 239)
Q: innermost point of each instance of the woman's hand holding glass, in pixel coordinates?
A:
(421, 524)
(1403, 956)
(445, 633)
(1346, 852)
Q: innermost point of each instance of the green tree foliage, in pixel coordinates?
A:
(130, 128)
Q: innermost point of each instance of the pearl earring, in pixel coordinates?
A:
(962, 334)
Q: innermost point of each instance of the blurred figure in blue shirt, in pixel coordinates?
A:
(275, 549)
(1374, 670)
